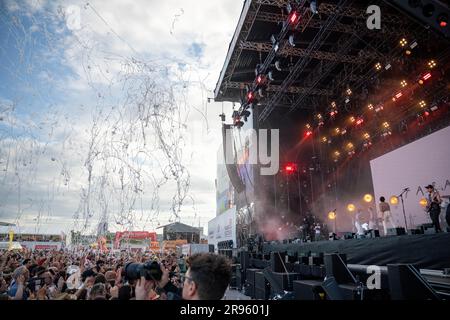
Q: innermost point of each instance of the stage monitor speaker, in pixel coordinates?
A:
(232, 168)
(336, 266)
(332, 289)
(396, 231)
(406, 283)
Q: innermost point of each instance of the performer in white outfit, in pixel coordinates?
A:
(385, 211)
(358, 222)
(373, 221)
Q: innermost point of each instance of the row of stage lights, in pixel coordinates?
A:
(359, 120)
(368, 198)
(262, 79)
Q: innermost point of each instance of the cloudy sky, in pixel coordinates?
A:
(104, 112)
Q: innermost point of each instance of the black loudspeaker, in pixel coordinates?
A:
(262, 288)
(349, 235)
(396, 231)
(316, 258)
(285, 280)
(239, 279)
(373, 233)
(308, 289)
(250, 282)
(406, 283)
(277, 261)
(232, 168)
(211, 248)
(244, 257)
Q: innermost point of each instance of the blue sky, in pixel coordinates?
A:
(78, 98)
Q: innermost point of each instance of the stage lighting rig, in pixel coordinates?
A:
(278, 65)
(442, 20)
(403, 83)
(431, 64)
(403, 42)
(370, 106)
(378, 66)
(422, 104)
(379, 108)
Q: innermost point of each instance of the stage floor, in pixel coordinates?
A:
(427, 251)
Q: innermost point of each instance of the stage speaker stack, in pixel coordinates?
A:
(396, 231)
(262, 287)
(250, 282)
(316, 264)
(277, 261)
(308, 289)
(239, 278)
(211, 248)
(285, 280)
(234, 269)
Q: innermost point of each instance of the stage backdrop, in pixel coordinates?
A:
(415, 165)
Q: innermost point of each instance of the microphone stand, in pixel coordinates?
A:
(403, 206)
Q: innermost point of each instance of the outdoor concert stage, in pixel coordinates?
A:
(425, 251)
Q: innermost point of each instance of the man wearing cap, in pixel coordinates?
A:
(434, 206)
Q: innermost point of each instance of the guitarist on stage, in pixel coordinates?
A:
(434, 206)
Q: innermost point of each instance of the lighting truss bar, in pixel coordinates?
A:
(315, 54)
(300, 65)
(277, 88)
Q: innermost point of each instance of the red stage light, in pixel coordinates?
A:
(359, 121)
(398, 95)
(259, 79)
(250, 96)
(443, 24)
(293, 17)
(426, 113)
(289, 168)
(426, 76)
(308, 133)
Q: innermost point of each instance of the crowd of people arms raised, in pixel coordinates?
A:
(92, 275)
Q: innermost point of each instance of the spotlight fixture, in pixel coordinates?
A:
(347, 100)
(368, 197)
(352, 119)
(336, 153)
(403, 83)
(324, 139)
(308, 133)
(351, 207)
(333, 104)
(386, 125)
(319, 116)
(259, 79)
(292, 40)
(378, 66)
(270, 76)
(422, 104)
(333, 113)
(332, 215)
(370, 106)
(278, 65)
(313, 7)
(273, 39)
(388, 66)
(408, 52)
(349, 91)
(442, 20)
(350, 146)
(431, 64)
(393, 200)
(343, 132)
(308, 126)
(261, 92)
(403, 42)
(379, 108)
(293, 18)
(366, 136)
(337, 130)
(423, 202)
(413, 44)
(434, 108)
(250, 96)
(359, 121)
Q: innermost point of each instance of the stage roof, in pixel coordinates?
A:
(334, 50)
